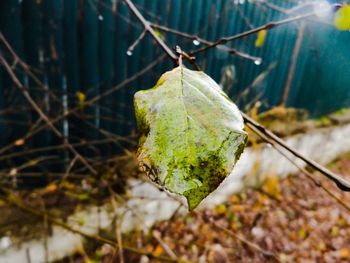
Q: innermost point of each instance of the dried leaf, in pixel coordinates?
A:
(342, 18)
(19, 142)
(52, 187)
(158, 251)
(81, 99)
(272, 187)
(159, 34)
(220, 209)
(13, 172)
(335, 231)
(191, 133)
(321, 246)
(344, 253)
(302, 233)
(260, 39)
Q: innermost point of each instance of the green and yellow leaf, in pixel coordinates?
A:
(191, 133)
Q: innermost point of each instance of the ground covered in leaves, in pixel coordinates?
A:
(291, 220)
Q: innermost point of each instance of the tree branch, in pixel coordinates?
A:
(87, 103)
(267, 26)
(149, 29)
(231, 51)
(16, 202)
(301, 169)
(42, 115)
(342, 184)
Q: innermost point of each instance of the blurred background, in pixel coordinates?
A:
(78, 50)
(69, 70)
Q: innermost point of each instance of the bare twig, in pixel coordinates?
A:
(244, 241)
(342, 184)
(295, 56)
(118, 234)
(149, 29)
(300, 168)
(42, 115)
(212, 222)
(69, 168)
(50, 148)
(339, 181)
(229, 50)
(164, 245)
(16, 202)
(45, 230)
(137, 41)
(267, 26)
(87, 103)
(28, 256)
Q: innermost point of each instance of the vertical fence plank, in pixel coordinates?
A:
(221, 57)
(10, 26)
(84, 46)
(71, 66)
(213, 34)
(89, 78)
(33, 46)
(161, 11)
(14, 108)
(53, 60)
(3, 125)
(174, 13)
(121, 46)
(106, 45)
(149, 46)
(203, 32)
(132, 68)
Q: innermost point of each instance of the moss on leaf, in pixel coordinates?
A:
(191, 133)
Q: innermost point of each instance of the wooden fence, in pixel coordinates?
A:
(77, 52)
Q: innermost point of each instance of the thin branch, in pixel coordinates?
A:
(149, 29)
(273, 6)
(244, 17)
(300, 168)
(87, 103)
(42, 115)
(231, 51)
(118, 234)
(166, 248)
(137, 41)
(293, 64)
(267, 26)
(211, 221)
(342, 184)
(27, 70)
(50, 148)
(244, 241)
(14, 201)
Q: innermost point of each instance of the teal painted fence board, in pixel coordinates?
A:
(11, 27)
(89, 80)
(106, 54)
(81, 46)
(72, 66)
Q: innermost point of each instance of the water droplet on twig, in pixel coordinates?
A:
(129, 53)
(258, 61)
(196, 42)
